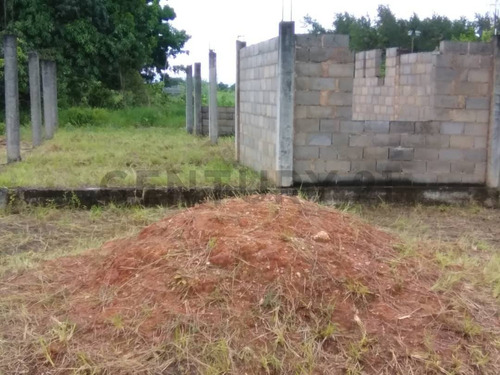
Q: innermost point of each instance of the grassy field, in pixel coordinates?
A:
(140, 147)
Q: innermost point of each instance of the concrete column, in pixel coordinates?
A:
(213, 121)
(198, 120)
(35, 99)
(49, 88)
(11, 99)
(237, 93)
(286, 71)
(189, 100)
(493, 166)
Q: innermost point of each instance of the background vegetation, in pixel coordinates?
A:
(388, 31)
(105, 49)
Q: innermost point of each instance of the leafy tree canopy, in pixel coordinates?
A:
(101, 46)
(388, 31)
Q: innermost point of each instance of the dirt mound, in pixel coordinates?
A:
(264, 284)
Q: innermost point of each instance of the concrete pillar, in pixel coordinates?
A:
(284, 133)
(493, 167)
(237, 93)
(198, 120)
(49, 88)
(11, 99)
(213, 121)
(35, 99)
(189, 100)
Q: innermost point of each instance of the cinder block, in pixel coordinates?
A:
(339, 98)
(445, 74)
(402, 127)
(400, 153)
(477, 155)
(480, 48)
(451, 154)
(386, 140)
(413, 167)
(437, 141)
(341, 70)
(332, 126)
(463, 167)
(338, 166)
(424, 178)
(305, 153)
(412, 140)
(480, 142)
(450, 178)
(307, 97)
(349, 153)
(361, 140)
(328, 153)
(351, 127)
(472, 179)
(477, 103)
(376, 153)
(377, 126)
(479, 75)
(449, 47)
(449, 101)
(480, 169)
(364, 165)
(427, 127)
(452, 128)
(340, 139)
(303, 69)
(319, 139)
(426, 154)
(476, 129)
(461, 141)
(318, 83)
(389, 166)
(307, 125)
(345, 84)
(438, 167)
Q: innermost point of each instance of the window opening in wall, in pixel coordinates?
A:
(382, 67)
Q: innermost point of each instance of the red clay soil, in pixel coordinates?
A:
(270, 284)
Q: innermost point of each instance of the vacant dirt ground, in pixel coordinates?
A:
(257, 285)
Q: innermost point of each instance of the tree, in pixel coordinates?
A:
(100, 45)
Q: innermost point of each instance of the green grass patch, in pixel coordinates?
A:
(144, 146)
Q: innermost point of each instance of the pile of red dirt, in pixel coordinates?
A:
(262, 284)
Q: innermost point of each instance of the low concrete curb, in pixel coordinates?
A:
(174, 197)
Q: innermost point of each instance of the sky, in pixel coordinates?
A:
(217, 24)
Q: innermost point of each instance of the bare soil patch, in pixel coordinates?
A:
(265, 284)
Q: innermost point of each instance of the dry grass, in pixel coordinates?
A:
(463, 243)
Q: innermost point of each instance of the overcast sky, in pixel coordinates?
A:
(217, 24)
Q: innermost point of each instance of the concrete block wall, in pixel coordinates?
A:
(397, 137)
(258, 105)
(324, 72)
(428, 120)
(399, 89)
(225, 116)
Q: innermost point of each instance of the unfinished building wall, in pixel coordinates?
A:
(258, 105)
(324, 71)
(421, 118)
